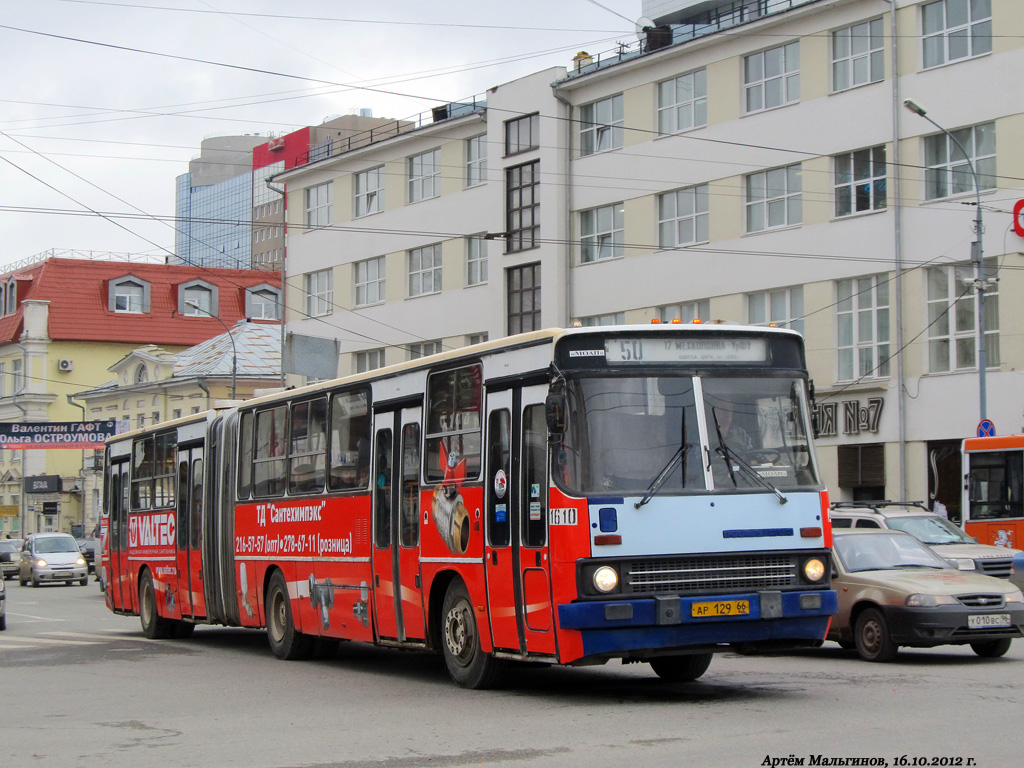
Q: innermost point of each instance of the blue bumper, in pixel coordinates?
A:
(615, 627)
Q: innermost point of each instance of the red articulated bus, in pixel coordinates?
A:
(646, 493)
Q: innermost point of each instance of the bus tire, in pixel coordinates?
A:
(468, 665)
(681, 669)
(153, 625)
(991, 649)
(871, 633)
(285, 640)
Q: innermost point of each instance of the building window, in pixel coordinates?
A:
(318, 206)
(860, 181)
(858, 55)
(952, 319)
(955, 29)
(685, 313)
(774, 198)
(783, 308)
(522, 206)
(198, 300)
(476, 260)
(319, 292)
(521, 134)
(370, 360)
(601, 125)
(523, 296)
(425, 176)
(17, 377)
(476, 160)
(683, 103)
(477, 338)
(602, 233)
(126, 295)
(263, 303)
(370, 191)
(683, 217)
(615, 318)
(11, 298)
(369, 281)
(947, 173)
(3, 379)
(772, 78)
(862, 321)
(141, 377)
(416, 351)
(425, 270)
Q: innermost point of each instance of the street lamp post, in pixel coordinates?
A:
(976, 257)
(231, 336)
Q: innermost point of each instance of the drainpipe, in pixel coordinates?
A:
(201, 383)
(81, 469)
(901, 415)
(568, 204)
(24, 416)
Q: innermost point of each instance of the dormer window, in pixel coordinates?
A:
(129, 295)
(197, 299)
(11, 298)
(263, 302)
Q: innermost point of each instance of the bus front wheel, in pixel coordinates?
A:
(153, 626)
(285, 640)
(467, 664)
(681, 669)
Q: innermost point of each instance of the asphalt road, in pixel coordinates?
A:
(83, 687)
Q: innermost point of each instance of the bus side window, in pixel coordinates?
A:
(245, 456)
(410, 485)
(350, 441)
(142, 473)
(533, 498)
(498, 474)
(269, 460)
(308, 446)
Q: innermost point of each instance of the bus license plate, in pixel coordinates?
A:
(988, 620)
(723, 608)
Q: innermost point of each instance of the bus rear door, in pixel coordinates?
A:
(518, 566)
(398, 595)
(190, 531)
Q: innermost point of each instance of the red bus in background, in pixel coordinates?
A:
(993, 501)
(644, 493)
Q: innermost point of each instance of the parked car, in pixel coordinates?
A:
(3, 605)
(52, 557)
(88, 549)
(894, 591)
(10, 553)
(947, 539)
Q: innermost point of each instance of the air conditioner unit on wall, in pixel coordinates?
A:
(65, 365)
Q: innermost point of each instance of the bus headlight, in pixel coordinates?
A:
(605, 579)
(814, 569)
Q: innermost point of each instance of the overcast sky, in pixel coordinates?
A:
(92, 121)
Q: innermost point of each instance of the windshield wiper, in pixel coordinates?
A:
(726, 453)
(677, 458)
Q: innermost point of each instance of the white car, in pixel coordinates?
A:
(52, 557)
(945, 538)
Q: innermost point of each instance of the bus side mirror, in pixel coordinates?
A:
(555, 409)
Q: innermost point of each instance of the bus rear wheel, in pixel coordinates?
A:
(681, 669)
(285, 640)
(153, 626)
(467, 664)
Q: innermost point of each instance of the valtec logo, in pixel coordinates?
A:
(155, 530)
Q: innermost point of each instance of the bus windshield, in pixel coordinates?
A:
(626, 435)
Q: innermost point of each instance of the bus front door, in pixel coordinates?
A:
(518, 566)
(116, 584)
(398, 596)
(190, 531)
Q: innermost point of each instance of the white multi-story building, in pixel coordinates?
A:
(750, 162)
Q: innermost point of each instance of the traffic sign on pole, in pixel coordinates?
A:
(986, 428)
